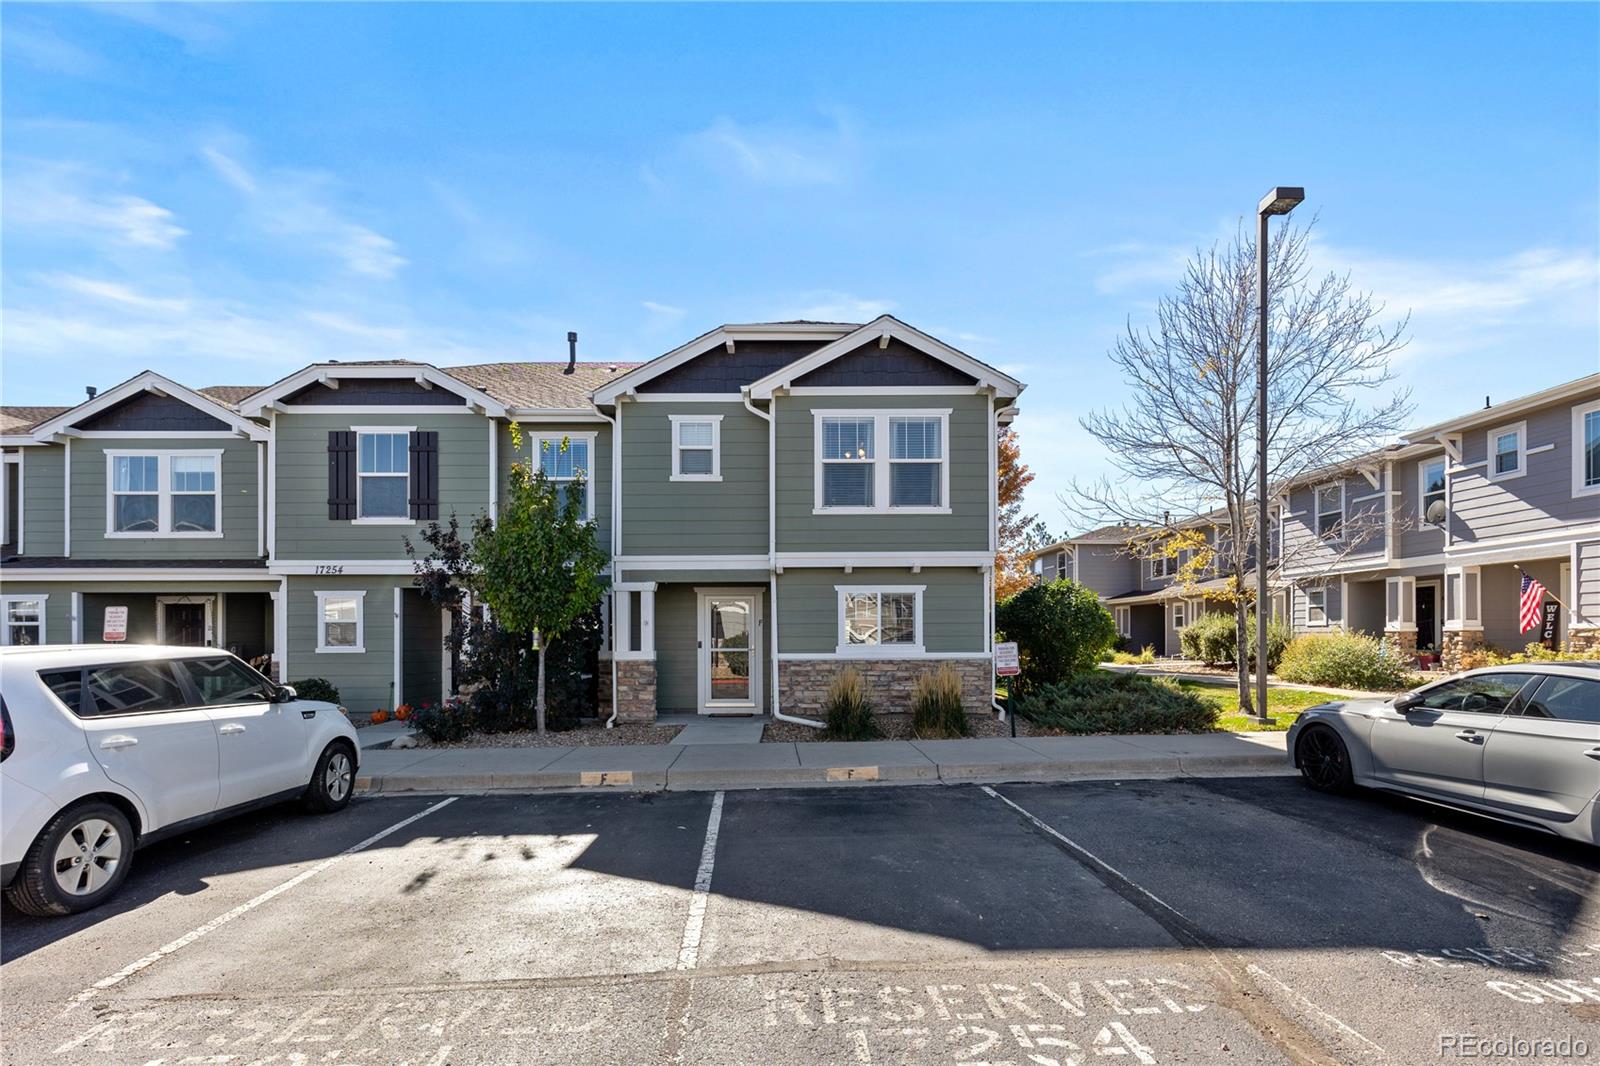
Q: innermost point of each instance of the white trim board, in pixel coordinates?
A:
(262, 400)
(883, 328)
(147, 381)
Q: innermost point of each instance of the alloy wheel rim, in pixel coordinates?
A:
(1322, 758)
(337, 778)
(88, 856)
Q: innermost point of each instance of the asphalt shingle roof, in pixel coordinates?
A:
(546, 385)
(22, 419)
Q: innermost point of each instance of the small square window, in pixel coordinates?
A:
(696, 447)
(1508, 448)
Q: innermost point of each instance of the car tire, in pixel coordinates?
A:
(333, 780)
(78, 861)
(1324, 760)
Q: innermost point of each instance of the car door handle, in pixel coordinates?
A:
(229, 728)
(1593, 753)
(112, 743)
(1470, 736)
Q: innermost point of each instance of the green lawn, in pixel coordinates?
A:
(1283, 704)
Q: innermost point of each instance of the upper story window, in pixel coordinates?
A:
(163, 494)
(1508, 448)
(1061, 565)
(565, 461)
(1163, 566)
(1430, 484)
(880, 620)
(383, 473)
(696, 447)
(1330, 510)
(1586, 449)
(872, 461)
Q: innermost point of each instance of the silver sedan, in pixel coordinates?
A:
(1517, 743)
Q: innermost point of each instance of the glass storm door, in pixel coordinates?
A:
(730, 663)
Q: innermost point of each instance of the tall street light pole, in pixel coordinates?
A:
(1280, 201)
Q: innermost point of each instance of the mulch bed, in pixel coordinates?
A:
(894, 726)
(589, 734)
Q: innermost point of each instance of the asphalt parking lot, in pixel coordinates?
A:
(1226, 920)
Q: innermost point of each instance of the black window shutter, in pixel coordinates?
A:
(425, 474)
(341, 475)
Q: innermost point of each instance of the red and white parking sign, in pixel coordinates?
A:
(116, 626)
(1005, 659)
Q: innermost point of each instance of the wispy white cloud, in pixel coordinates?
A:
(295, 204)
(665, 310)
(828, 306)
(770, 153)
(60, 198)
(198, 27)
(112, 292)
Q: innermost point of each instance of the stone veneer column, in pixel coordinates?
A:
(1583, 639)
(1457, 642)
(1405, 643)
(890, 683)
(603, 684)
(636, 690)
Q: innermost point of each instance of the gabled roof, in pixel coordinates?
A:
(884, 328)
(821, 332)
(260, 401)
(1502, 411)
(148, 381)
(540, 386)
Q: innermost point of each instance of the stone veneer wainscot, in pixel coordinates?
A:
(803, 683)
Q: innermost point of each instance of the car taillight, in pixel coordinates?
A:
(8, 736)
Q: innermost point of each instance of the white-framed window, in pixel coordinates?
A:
(1586, 449)
(1330, 510)
(1316, 607)
(880, 620)
(1508, 449)
(1180, 615)
(22, 619)
(163, 493)
(878, 462)
(696, 447)
(1061, 565)
(383, 474)
(341, 621)
(1124, 616)
(1430, 485)
(565, 460)
(1162, 566)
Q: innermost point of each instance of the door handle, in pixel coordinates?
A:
(230, 728)
(1593, 753)
(112, 743)
(1470, 737)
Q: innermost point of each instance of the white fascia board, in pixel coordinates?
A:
(1501, 412)
(258, 402)
(146, 381)
(892, 327)
(691, 562)
(101, 573)
(554, 414)
(890, 559)
(342, 567)
(620, 386)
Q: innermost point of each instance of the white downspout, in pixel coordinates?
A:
(772, 553)
(616, 538)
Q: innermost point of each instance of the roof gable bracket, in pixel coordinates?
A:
(1452, 445)
(1373, 475)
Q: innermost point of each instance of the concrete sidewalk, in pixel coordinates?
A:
(727, 765)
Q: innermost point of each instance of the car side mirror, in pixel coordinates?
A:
(1406, 704)
(284, 693)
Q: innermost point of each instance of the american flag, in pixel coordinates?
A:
(1533, 595)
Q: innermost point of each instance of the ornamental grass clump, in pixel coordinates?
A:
(936, 709)
(847, 710)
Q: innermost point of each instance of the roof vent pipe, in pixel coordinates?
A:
(91, 390)
(572, 351)
(1486, 403)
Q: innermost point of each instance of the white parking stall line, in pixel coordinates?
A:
(244, 908)
(1256, 971)
(689, 947)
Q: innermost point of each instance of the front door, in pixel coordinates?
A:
(730, 652)
(1428, 617)
(184, 624)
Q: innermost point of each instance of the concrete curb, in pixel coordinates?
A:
(692, 767)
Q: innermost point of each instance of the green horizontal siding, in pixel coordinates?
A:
(666, 517)
(966, 528)
(43, 492)
(57, 608)
(678, 648)
(953, 606)
(304, 530)
(365, 681)
(238, 504)
(599, 477)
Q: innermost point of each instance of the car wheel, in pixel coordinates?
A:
(78, 861)
(1324, 760)
(333, 780)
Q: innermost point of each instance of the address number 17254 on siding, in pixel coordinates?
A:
(108, 748)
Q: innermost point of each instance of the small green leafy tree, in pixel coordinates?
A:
(1061, 629)
(538, 565)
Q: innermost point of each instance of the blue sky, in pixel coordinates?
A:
(226, 193)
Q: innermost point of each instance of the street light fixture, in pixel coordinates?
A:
(1280, 201)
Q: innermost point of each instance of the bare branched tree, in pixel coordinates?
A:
(1185, 443)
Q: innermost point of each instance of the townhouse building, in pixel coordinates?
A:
(778, 500)
(1423, 542)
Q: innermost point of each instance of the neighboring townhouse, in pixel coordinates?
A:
(1423, 541)
(1136, 581)
(779, 500)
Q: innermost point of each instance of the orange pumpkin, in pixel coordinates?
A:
(402, 712)
(379, 717)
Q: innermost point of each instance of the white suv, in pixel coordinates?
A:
(108, 748)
